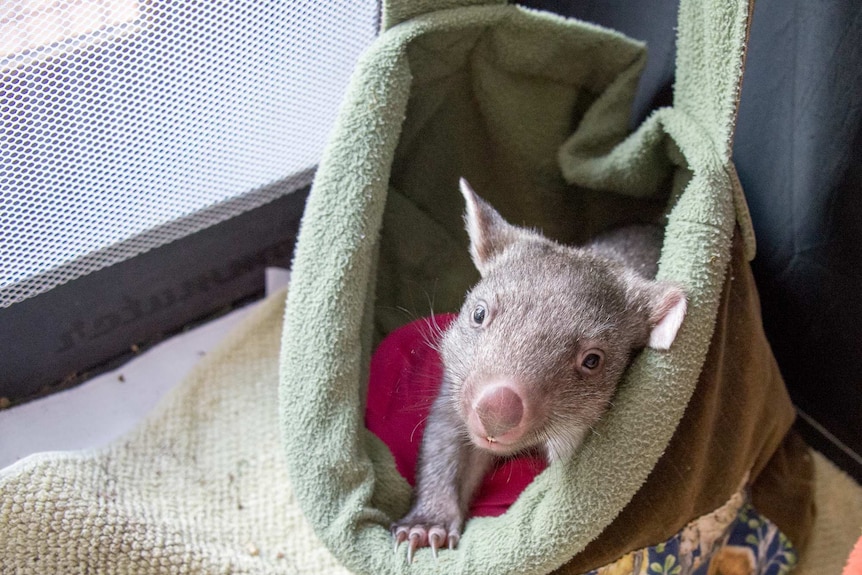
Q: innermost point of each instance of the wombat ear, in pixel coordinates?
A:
(667, 310)
(489, 233)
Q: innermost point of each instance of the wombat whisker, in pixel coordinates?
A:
(405, 311)
(433, 335)
(417, 426)
(430, 298)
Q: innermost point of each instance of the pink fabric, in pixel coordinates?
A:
(404, 378)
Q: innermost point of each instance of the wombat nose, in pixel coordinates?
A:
(500, 409)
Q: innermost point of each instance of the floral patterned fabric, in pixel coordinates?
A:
(733, 540)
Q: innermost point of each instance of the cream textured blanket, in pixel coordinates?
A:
(200, 486)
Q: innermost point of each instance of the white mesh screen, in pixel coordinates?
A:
(130, 123)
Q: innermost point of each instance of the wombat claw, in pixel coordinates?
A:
(400, 536)
(434, 542)
(418, 536)
(412, 545)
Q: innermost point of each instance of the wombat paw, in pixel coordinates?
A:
(420, 534)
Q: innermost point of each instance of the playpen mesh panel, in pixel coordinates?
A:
(130, 123)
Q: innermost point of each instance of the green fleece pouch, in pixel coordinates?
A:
(533, 110)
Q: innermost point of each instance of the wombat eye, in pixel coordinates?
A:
(479, 314)
(592, 360)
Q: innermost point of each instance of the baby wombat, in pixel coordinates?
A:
(534, 356)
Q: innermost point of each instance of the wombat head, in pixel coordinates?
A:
(541, 342)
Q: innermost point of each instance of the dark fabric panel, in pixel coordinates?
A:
(783, 490)
(61, 337)
(798, 151)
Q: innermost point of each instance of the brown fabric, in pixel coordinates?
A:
(784, 490)
(735, 422)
